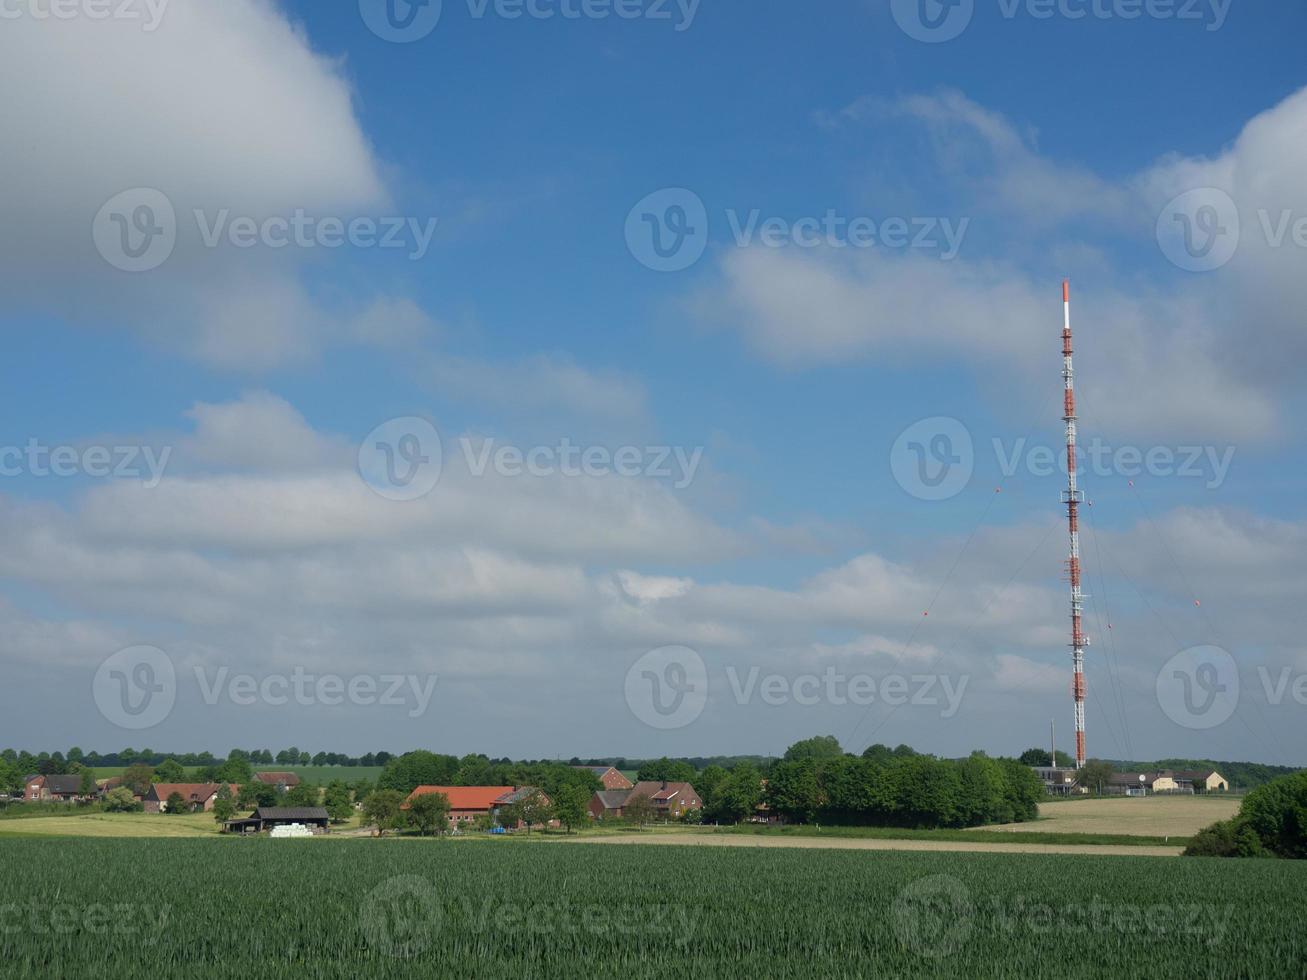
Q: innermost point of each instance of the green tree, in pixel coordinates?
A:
(570, 806)
(224, 807)
(793, 791)
(429, 813)
(86, 785)
(138, 778)
(176, 803)
(169, 771)
(707, 781)
(305, 794)
(382, 808)
(1277, 814)
(237, 768)
(338, 801)
(737, 796)
(120, 800)
(639, 809)
(817, 747)
(1096, 775)
(421, 768)
(671, 770)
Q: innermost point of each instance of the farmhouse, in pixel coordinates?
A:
(198, 796)
(669, 799)
(466, 803)
(1202, 781)
(608, 803)
(268, 817)
(39, 788)
(281, 780)
(610, 777)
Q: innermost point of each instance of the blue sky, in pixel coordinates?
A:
(1050, 146)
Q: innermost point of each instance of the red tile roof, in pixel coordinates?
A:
(465, 797)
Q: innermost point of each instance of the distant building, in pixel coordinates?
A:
(466, 803)
(610, 777)
(1202, 781)
(45, 789)
(670, 800)
(607, 804)
(265, 818)
(1059, 781)
(281, 780)
(196, 796)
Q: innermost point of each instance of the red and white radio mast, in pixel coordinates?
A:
(1072, 497)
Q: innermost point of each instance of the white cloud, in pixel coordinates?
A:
(224, 106)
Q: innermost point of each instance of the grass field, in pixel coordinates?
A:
(1148, 816)
(264, 908)
(112, 825)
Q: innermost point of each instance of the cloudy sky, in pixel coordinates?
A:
(647, 378)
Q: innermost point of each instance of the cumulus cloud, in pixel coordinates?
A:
(224, 108)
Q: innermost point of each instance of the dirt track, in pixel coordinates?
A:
(877, 844)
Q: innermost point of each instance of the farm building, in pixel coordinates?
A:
(39, 788)
(198, 796)
(466, 803)
(281, 780)
(669, 799)
(1059, 781)
(1168, 781)
(265, 818)
(607, 803)
(610, 777)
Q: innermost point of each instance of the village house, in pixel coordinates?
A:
(670, 800)
(197, 796)
(607, 804)
(281, 780)
(610, 777)
(466, 803)
(44, 789)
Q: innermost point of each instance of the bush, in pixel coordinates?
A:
(1271, 821)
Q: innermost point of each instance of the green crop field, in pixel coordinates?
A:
(403, 908)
